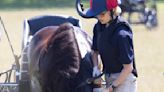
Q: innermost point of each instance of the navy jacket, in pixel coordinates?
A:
(115, 45)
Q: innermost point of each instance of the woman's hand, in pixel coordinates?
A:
(110, 89)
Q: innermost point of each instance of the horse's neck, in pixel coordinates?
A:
(45, 36)
(40, 43)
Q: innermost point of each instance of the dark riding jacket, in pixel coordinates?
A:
(115, 45)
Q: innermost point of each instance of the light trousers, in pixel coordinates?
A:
(129, 85)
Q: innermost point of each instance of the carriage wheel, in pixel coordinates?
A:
(24, 82)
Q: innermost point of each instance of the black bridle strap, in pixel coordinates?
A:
(89, 81)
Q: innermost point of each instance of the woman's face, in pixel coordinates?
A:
(104, 17)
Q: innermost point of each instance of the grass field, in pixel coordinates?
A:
(149, 45)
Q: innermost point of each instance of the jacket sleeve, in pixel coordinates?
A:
(125, 44)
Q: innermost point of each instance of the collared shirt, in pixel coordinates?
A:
(114, 44)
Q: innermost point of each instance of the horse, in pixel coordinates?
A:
(57, 60)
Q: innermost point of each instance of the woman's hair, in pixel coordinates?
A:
(117, 11)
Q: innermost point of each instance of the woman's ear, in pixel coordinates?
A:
(109, 13)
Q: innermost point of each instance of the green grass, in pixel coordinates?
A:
(149, 45)
(35, 4)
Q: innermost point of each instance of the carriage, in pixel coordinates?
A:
(31, 26)
(140, 12)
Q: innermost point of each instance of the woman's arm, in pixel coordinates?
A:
(96, 70)
(127, 69)
(95, 58)
(126, 57)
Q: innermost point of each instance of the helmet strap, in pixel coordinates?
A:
(112, 14)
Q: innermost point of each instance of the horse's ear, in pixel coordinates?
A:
(62, 27)
(65, 27)
(67, 24)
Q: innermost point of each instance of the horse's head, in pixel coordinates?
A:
(62, 48)
(54, 57)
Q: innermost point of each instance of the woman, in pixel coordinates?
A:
(113, 41)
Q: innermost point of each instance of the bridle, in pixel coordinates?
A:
(89, 81)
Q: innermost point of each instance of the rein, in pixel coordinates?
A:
(12, 49)
(89, 81)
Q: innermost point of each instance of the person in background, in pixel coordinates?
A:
(113, 41)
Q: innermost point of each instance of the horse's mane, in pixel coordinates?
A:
(60, 61)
